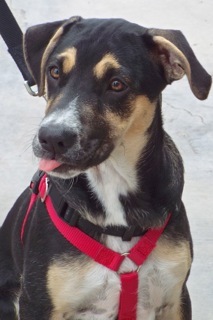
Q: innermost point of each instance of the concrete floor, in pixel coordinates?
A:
(188, 121)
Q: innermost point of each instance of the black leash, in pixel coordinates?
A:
(13, 37)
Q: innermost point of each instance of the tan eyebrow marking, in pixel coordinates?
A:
(108, 61)
(69, 59)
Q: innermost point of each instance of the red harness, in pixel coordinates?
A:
(101, 254)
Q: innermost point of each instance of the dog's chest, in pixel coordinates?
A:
(82, 289)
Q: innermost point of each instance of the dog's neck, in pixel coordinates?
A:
(134, 185)
(118, 176)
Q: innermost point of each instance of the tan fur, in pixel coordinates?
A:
(52, 101)
(138, 122)
(64, 276)
(108, 61)
(132, 131)
(175, 252)
(161, 278)
(178, 256)
(69, 59)
(142, 115)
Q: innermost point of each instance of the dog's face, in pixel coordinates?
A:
(102, 80)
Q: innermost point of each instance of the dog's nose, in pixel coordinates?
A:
(55, 139)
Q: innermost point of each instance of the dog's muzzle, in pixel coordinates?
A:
(75, 150)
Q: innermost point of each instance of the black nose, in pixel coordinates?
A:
(56, 139)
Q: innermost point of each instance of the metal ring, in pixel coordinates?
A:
(138, 269)
(125, 254)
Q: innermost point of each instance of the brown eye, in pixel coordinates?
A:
(117, 85)
(54, 72)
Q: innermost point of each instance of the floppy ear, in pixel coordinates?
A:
(174, 53)
(39, 41)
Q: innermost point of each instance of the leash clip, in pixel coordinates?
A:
(30, 90)
(46, 191)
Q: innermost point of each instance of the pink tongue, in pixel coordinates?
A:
(48, 165)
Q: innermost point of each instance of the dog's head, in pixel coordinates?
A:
(101, 80)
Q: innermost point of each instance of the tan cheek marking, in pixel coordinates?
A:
(53, 101)
(142, 115)
(108, 61)
(131, 132)
(69, 61)
(138, 122)
(136, 136)
(117, 124)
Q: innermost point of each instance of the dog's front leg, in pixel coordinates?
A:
(33, 309)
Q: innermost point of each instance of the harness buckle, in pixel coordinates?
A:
(71, 217)
(128, 234)
(46, 190)
(34, 185)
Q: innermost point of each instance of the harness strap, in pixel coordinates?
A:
(83, 242)
(103, 255)
(74, 218)
(146, 244)
(31, 204)
(128, 296)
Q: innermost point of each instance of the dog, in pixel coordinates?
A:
(105, 154)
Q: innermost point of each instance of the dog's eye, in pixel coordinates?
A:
(54, 72)
(117, 85)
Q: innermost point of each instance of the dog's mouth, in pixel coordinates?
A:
(66, 166)
(49, 165)
(57, 168)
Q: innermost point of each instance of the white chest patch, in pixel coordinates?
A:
(84, 290)
(109, 181)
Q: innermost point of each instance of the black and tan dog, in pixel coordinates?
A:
(105, 150)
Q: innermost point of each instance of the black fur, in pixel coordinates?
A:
(23, 267)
